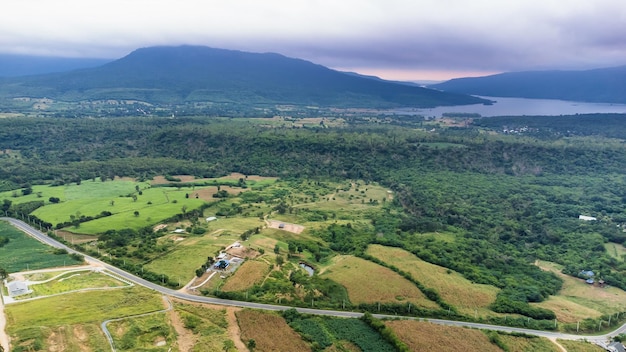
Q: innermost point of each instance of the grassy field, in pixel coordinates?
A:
(578, 300)
(33, 323)
(580, 346)
(188, 255)
(525, 344)
(250, 273)
(368, 282)
(451, 286)
(152, 205)
(424, 336)
(147, 333)
(201, 328)
(269, 331)
(25, 253)
(615, 250)
(72, 281)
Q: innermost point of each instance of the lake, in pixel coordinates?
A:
(518, 107)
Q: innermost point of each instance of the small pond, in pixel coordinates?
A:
(309, 269)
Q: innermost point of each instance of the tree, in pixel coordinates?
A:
(3, 273)
(276, 249)
(54, 200)
(136, 213)
(251, 344)
(280, 260)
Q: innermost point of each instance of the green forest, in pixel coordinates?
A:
(508, 199)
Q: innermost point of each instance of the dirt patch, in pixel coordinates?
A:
(251, 272)
(207, 193)
(243, 252)
(159, 180)
(293, 228)
(185, 339)
(233, 328)
(75, 238)
(159, 227)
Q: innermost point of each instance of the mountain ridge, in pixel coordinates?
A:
(601, 85)
(166, 74)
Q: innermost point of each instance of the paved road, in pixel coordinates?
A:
(201, 299)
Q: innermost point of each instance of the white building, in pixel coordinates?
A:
(586, 218)
(17, 288)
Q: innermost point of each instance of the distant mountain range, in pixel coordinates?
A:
(606, 85)
(183, 74)
(24, 65)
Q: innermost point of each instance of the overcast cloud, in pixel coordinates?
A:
(396, 39)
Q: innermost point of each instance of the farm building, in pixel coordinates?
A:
(586, 218)
(17, 288)
(221, 264)
(221, 256)
(211, 218)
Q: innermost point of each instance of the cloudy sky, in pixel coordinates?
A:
(394, 39)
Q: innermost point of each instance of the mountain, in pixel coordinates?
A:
(196, 73)
(605, 85)
(24, 65)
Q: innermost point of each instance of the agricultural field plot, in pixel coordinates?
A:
(202, 328)
(269, 332)
(36, 324)
(578, 300)
(188, 255)
(368, 282)
(72, 281)
(25, 253)
(615, 250)
(328, 332)
(232, 179)
(424, 336)
(580, 346)
(523, 344)
(152, 206)
(146, 333)
(250, 273)
(456, 290)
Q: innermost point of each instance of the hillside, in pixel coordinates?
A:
(163, 75)
(606, 85)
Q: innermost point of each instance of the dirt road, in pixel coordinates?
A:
(4, 338)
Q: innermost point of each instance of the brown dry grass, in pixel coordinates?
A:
(269, 331)
(75, 237)
(424, 336)
(524, 344)
(368, 282)
(580, 346)
(248, 274)
(452, 287)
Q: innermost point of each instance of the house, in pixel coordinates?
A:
(586, 274)
(17, 288)
(281, 226)
(221, 256)
(221, 264)
(211, 218)
(586, 218)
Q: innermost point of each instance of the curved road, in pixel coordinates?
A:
(218, 301)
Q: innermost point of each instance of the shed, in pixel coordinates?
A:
(221, 256)
(211, 218)
(17, 288)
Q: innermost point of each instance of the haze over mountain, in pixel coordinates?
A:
(197, 73)
(604, 85)
(23, 65)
